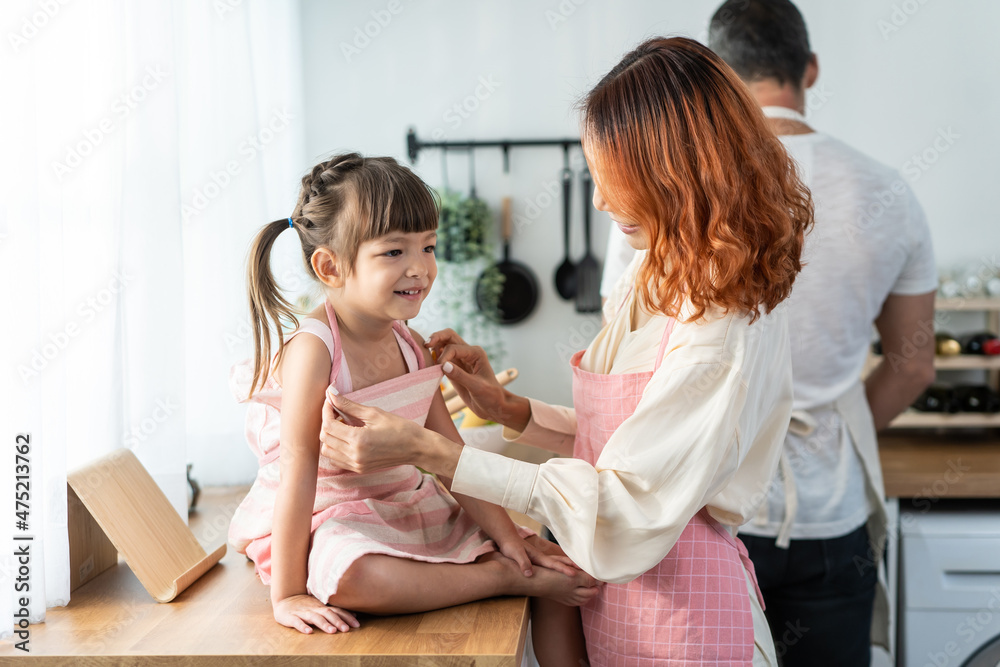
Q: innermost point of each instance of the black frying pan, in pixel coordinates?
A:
(519, 294)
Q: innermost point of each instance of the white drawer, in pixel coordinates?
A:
(951, 572)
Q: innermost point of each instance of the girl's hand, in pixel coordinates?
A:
(470, 372)
(304, 611)
(375, 439)
(525, 553)
(549, 548)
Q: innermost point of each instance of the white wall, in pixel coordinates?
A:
(890, 83)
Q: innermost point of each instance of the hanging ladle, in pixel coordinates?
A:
(565, 277)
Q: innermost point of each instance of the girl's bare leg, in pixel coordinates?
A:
(557, 634)
(377, 584)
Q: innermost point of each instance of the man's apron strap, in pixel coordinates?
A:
(803, 424)
(853, 408)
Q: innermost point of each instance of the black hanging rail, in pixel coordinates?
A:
(415, 145)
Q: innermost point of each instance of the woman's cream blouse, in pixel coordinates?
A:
(707, 432)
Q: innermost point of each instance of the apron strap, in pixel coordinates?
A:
(338, 355)
(624, 300)
(666, 332)
(663, 342)
(803, 424)
(416, 353)
(791, 502)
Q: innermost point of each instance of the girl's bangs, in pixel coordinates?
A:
(404, 204)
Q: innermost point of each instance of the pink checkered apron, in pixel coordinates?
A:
(692, 608)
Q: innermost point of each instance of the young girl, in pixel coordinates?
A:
(389, 541)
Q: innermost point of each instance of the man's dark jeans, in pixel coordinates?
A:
(819, 596)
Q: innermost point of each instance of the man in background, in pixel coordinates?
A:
(818, 539)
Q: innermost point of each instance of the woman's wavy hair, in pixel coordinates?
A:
(680, 147)
(343, 202)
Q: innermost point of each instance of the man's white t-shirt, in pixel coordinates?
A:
(870, 240)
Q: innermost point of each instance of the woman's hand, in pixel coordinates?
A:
(369, 439)
(532, 551)
(470, 373)
(303, 611)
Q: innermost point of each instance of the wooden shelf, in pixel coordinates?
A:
(974, 303)
(929, 466)
(969, 420)
(914, 419)
(958, 362)
(968, 361)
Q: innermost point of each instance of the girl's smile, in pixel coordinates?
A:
(412, 295)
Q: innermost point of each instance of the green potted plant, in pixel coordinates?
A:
(465, 258)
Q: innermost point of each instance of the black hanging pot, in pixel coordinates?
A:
(519, 292)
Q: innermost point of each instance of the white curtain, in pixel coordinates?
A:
(142, 143)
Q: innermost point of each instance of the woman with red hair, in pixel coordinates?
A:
(681, 402)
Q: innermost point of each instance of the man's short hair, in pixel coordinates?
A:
(761, 39)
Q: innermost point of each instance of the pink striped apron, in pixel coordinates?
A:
(397, 511)
(692, 608)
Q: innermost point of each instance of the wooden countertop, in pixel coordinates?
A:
(225, 618)
(226, 615)
(947, 464)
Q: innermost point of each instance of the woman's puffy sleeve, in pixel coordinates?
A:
(620, 518)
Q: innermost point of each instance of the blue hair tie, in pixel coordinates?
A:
(290, 225)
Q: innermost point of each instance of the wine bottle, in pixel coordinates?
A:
(937, 398)
(945, 345)
(977, 398)
(980, 343)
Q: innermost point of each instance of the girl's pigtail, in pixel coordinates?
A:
(268, 306)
